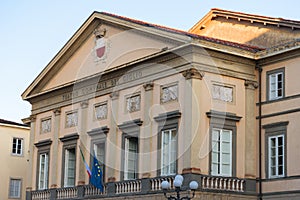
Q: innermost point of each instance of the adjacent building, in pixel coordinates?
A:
(218, 104)
(14, 159)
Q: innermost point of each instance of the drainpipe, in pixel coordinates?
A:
(259, 68)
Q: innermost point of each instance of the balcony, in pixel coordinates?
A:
(147, 186)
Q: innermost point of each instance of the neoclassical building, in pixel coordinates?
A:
(218, 104)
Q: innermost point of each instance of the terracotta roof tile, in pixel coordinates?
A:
(160, 27)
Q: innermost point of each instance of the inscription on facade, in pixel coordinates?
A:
(102, 85)
(223, 93)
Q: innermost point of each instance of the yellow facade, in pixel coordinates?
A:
(14, 159)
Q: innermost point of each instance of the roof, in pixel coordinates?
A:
(172, 30)
(3, 121)
(255, 18)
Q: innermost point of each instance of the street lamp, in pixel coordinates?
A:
(165, 185)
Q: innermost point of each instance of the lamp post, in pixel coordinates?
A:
(165, 185)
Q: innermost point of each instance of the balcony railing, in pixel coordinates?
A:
(140, 186)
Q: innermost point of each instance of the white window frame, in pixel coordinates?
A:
(66, 170)
(274, 79)
(168, 164)
(276, 156)
(19, 141)
(127, 152)
(15, 188)
(217, 150)
(43, 171)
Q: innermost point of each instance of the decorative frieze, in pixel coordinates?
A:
(101, 111)
(169, 93)
(46, 125)
(222, 92)
(133, 103)
(71, 119)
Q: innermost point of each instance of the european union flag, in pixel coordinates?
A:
(96, 177)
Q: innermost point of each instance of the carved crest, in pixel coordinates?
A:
(101, 44)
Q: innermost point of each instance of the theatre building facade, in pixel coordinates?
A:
(151, 102)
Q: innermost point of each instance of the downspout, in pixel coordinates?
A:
(259, 68)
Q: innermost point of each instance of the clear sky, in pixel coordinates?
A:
(33, 31)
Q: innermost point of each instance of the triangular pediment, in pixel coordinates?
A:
(255, 30)
(103, 43)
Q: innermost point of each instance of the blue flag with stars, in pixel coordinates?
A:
(96, 177)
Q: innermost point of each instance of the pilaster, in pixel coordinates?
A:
(192, 88)
(82, 131)
(250, 137)
(112, 139)
(54, 160)
(146, 134)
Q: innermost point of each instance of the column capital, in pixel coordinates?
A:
(84, 104)
(57, 111)
(32, 118)
(114, 95)
(148, 86)
(252, 85)
(193, 73)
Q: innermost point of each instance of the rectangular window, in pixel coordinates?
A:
(43, 171)
(99, 149)
(131, 158)
(70, 164)
(221, 157)
(276, 156)
(275, 84)
(17, 147)
(15, 188)
(168, 152)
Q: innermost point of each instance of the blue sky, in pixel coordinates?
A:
(33, 31)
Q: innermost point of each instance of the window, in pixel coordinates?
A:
(69, 171)
(99, 149)
(131, 158)
(223, 141)
(275, 143)
(221, 158)
(276, 156)
(168, 152)
(17, 147)
(43, 171)
(130, 148)
(15, 188)
(167, 142)
(275, 80)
